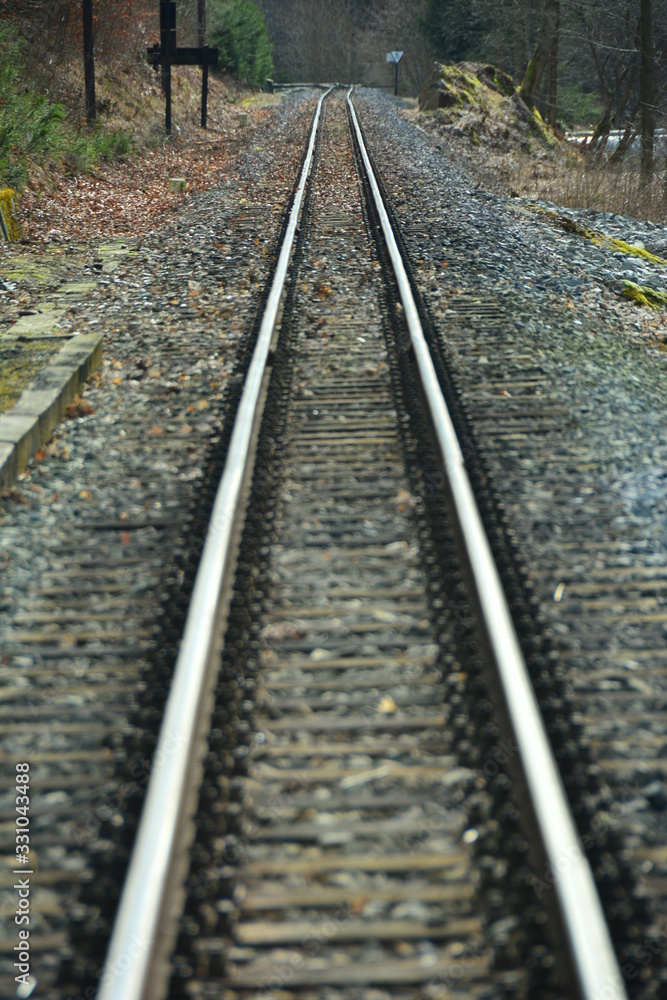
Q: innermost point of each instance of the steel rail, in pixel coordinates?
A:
(135, 966)
(597, 972)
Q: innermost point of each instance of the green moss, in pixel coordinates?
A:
(541, 129)
(503, 82)
(19, 364)
(643, 295)
(456, 97)
(462, 85)
(628, 248)
(471, 82)
(634, 293)
(605, 242)
(10, 227)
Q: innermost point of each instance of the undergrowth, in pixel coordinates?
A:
(585, 183)
(33, 128)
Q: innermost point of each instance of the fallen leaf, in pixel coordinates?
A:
(404, 500)
(80, 408)
(155, 431)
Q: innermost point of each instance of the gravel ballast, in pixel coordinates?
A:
(527, 310)
(98, 527)
(564, 383)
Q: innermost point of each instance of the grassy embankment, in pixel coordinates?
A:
(477, 109)
(34, 129)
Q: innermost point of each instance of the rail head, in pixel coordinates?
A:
(596, 970)
(136, 966)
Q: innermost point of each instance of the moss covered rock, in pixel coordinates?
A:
(643, 295)
(479, 102)
(462, 84)
(10, 227)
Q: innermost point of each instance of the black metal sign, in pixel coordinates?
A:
(167, 54)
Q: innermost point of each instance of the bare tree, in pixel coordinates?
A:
(347, 40)
(647, 110)
(545, 54)
(619, 39)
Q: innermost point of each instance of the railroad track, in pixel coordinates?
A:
(91, 541)
(369, 821)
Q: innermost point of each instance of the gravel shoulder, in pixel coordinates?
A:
(585, 497)
(96, 530)
(77, 229)
(564, 381)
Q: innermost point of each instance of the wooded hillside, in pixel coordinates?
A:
(596, 62)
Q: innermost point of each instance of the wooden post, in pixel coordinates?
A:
(89, 61)
(167, 54)
(168, 48)
(204, 93)
(201, 41)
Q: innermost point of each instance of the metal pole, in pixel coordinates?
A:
(89, 61)
(136, 961)
(201, 18)
(166, 86)
(575, 895)
(395, 79)
(167, 49)
(204, 89)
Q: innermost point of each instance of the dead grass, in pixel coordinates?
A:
(130, 99)
(484, 127)
(581, 184)
(127, 197)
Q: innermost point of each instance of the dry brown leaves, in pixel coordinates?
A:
(125, 199)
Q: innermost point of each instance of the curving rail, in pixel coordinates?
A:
(137, 961)
(580, 912)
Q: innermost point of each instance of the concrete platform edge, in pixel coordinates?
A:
(30, 422)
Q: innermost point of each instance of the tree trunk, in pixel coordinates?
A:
(517, 43)
(89, 61)
(646, 88)
(624, 144)
(201, 23)
(547, 44)
(553, 70)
